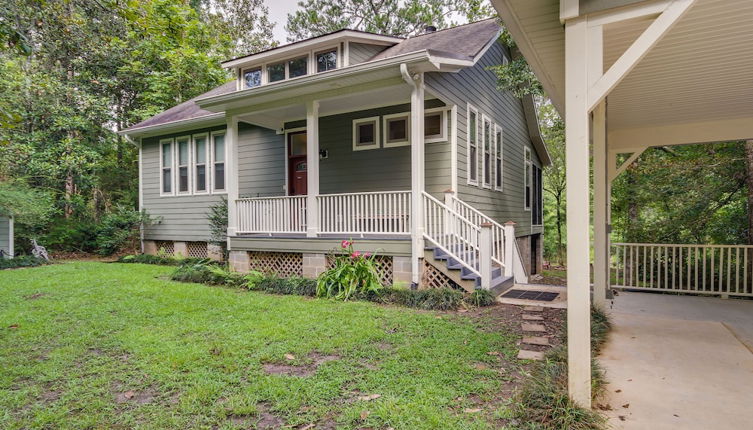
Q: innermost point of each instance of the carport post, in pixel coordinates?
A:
(601, 205)
(578, 240)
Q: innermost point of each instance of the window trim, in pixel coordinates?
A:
(484, 121)
(356, 123)
(188, 165)
(162, 142)
(338, 62)
(194, 163)
(385, 122)
(442, 137)
(242, 77)
(212, 180)
(527, 172)
(310, 66)
(470, 180)
(499, 155)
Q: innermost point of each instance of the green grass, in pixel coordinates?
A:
(76, 339)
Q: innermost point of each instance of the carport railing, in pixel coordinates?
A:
(725, 270)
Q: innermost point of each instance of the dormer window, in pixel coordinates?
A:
(276, 72)
(298, 67)
(252, 77)
(326, 60)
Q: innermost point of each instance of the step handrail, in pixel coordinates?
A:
(452, 233)
(498, 230)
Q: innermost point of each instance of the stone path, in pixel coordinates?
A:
(533, 331)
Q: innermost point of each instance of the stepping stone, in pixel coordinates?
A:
(536, 340)
(530, 355)
(533, 327)
(533, 317)
(533, 309)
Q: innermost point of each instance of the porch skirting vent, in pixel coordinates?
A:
(282, 264)
(384, 267)
(165, 246)
(431, 277)
(197, 249)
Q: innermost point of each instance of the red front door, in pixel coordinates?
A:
(297, 164)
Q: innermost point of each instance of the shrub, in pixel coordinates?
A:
(287, 286)
(21, 261)
(119, 230)
(440, 299)
(160, 260)
(207, 272)
(353, 274)
(481, 298)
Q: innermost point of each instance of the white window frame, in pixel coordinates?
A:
(212, 180)
(442, 136)
(471, 109)
(310, 65)
(484, 135)
(385, 124)
(242, 77)
(356, 123)
(499, 155)
(162, 192)
(188, 165)
(194, 163)
(527, 177)
(335, 48)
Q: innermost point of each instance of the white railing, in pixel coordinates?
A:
(457, 236)
(698, 269)
(286, 214)
(365, 213)
(477, 218)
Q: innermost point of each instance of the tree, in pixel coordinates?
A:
(555, 183)
(246, 22)
(393, 17)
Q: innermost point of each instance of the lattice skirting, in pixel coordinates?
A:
(282, 264)
(165, 246)
(197, 249)
(384, 266)
(431, 277)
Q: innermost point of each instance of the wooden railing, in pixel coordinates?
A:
(452, 233)
(365, 213)
(477, 218)
(286, 214)
(698, 269)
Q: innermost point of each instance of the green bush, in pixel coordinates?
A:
(287, 286)
(21, 261)
(353, 274)
(480, 298)
(70, 234)
(209, 272)
(119, 230)
(440, 299)
(159, 260)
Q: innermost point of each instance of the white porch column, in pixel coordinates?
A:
(417, 172)
(601, 205)
(578, 237)
(231, 176)
(312, 161)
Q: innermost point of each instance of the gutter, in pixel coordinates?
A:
(201, 121)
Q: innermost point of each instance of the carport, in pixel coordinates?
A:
(629, 75)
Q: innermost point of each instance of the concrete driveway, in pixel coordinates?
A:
(679, 362)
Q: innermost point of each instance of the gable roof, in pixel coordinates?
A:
(463, 42)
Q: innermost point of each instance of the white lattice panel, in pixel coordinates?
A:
(383, 266)
(197, 249)
(431, 277)
(282, 264)
(166, 247)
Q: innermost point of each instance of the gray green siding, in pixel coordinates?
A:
(362, 52)
(477, 86)
(5, 235)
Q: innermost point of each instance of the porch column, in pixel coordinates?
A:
(312, 161)
(231, 176)
(417, 172)
(578, 240)
(601, 205)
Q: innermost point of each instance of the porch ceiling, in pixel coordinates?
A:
(699, 76)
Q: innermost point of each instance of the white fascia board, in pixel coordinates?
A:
(175, 126)
(306, 45)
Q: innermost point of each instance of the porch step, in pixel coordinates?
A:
(463, 275)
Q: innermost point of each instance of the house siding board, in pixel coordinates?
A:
(477, 86)
(363, 52)
(5, 234)
(261, 161)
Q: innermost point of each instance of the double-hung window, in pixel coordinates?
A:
(486, 163)
(498, 166)
(183, 164)
(218, 162)
(527, 178)
(200, 157)
(166, 163)
(472, 156)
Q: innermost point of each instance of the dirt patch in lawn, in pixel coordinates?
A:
(504, 317)
(263, 420)
(140, 397)
(300, 370)
(34, 296)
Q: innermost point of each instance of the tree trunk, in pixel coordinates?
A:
(749, 182)
(560, 246)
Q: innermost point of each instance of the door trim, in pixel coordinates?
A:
(286, 158)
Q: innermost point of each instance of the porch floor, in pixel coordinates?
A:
(325, 236)
(679, 362)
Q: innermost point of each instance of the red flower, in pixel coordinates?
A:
(367, 255)
(345, 244)
(355, 254)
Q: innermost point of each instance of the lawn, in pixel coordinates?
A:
(98, 345)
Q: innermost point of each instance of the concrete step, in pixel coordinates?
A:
(533, 327)
(536, 340)
(534, 309)
(530, 355)
(527, 317)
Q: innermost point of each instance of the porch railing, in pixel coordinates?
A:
(477, 218)
(697, 269)
(365, 213)
(285, 214)
(454, 234)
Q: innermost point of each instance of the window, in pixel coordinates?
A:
(276, 72)
(200, 163)
(218, 162)
(435, 126)
(298, 67)
(252, 77)
(486, 164)
(472, 133)
(498, 158)
(537, 215)
(527, 176)
(326, 60)
(396, 130)
(183, 159)
(365, 133)
(166, 160)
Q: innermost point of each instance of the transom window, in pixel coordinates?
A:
(279, 70)
(276, 72)
(298, 67)
(252, 77)
(365, 133)
(326, 60)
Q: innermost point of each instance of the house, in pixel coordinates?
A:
(404, 145)
(6, 236)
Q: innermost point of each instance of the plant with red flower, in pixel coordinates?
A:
(353, 273)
